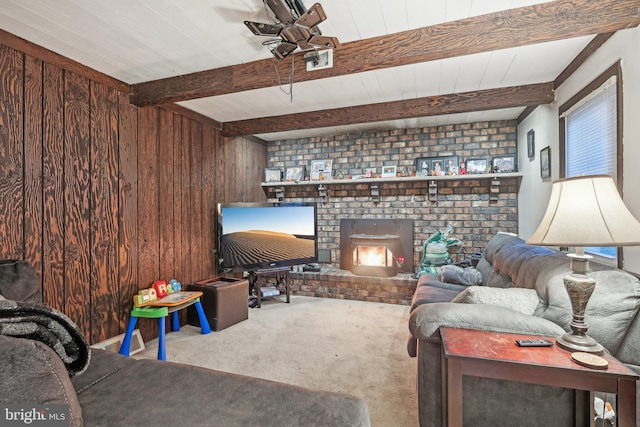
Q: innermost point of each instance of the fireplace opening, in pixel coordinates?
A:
(388, 241)
(374, 255)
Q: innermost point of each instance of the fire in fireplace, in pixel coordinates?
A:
(374, 255)
(395, 236)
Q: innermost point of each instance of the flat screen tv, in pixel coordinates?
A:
(257, 236)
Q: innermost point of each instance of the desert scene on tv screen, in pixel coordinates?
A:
(279, 234)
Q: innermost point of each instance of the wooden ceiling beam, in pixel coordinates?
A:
(559, 19)
(593, 45)
(490, 99)
(577, 62)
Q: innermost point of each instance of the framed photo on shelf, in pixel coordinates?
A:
(531, 144)
(294, 173)
(503, 164)
(437, 166)
(321, 169)
(423, 166)
(272, 175)
(388, 171)
(450, 165)
(545, 162)
(475, 166)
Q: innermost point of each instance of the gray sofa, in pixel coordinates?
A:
(47, 362)
(522, 292)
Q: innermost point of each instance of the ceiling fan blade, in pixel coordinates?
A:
(282, 11)
(304, 45)
(284, 49)
(325, 41)
(260, 29)
(312, 17)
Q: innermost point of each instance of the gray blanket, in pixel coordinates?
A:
(468, 276)
(49, 326)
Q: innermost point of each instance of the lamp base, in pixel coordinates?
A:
(575, 342)
(579, 287)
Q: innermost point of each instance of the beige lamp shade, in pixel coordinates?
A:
(586, 211)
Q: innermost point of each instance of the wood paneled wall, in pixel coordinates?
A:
(103, 197)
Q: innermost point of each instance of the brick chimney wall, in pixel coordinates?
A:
(475, 211)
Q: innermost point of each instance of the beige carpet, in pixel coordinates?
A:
(338, 345)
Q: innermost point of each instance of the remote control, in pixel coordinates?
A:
(534, 343)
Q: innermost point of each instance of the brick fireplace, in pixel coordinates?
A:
(476, 208)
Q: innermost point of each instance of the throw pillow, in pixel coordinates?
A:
(32, 373)
(19, 281)
(519, 299)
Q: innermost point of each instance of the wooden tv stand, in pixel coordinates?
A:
(281, 276)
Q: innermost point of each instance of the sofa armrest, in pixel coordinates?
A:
(32, 373)
(426, 319)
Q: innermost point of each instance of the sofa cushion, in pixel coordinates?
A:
(503, 258)
(430, 289)
(103, 364)
(32, 373)
(522, 300)
(159, 393)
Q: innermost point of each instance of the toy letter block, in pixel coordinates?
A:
(145, 296)
(177, 287)
(138, 300)
(161, 288)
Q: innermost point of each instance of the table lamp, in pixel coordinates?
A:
(584, 211)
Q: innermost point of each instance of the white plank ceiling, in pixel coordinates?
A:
(142, 40)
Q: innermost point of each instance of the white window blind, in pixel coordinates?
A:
(591, 140)
(591, 133)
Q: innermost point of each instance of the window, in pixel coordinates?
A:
(590, 136)
(591, 133)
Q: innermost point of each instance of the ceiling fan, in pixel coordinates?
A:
(295, 25)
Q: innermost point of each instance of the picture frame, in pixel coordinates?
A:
(388, 171)
(545, 162)
(531, 144)
(294, 173)
(321, 169)
(272, 175)
(436, 167)
(423, 166)
(477, 165)
(503, 164)
(450, 165)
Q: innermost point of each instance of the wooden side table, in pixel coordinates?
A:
(494, 355)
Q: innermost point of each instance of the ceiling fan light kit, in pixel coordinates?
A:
(318, 60)
(296, 26)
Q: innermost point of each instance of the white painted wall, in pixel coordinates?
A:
(534, 192)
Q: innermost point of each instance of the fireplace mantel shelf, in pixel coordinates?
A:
(395, 179)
